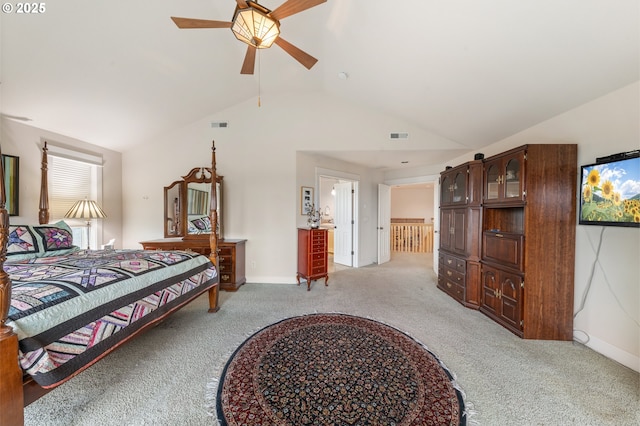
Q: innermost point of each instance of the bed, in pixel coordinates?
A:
(62, 308)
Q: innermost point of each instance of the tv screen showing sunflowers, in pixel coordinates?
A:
(610, 193)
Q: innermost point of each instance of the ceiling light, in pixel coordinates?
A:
(252, 26)
(343, 75)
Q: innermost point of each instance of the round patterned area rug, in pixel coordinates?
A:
(336, 369)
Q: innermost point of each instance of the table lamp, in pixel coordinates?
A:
(86, 209)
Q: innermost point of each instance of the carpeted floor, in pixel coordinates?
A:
(162, 377)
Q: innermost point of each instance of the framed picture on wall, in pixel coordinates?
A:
(11, 165)
(306, 199)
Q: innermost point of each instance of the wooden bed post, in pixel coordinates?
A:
(213, 236)
(43, 216)
(11, 397)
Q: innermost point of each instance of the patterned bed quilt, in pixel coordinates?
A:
(69, 311)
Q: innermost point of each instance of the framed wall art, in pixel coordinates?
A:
(11, 165)
(306, 199)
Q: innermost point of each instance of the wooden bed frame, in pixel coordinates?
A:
(16, 389)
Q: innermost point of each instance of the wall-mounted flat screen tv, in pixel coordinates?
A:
(610, 191)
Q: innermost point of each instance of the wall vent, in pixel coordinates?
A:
(218, 124)
(399, 135)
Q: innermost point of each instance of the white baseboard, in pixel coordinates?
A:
(625, 358)
(271, 280)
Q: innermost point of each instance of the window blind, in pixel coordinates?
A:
(69, 181)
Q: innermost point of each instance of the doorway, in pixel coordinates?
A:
(414, 217)
(337, 198)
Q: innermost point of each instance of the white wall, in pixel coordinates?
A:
(610, 320)
(410, 201)
(257, 156)
(25, 142)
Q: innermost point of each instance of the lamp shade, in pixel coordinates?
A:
(85, 209)
(255, 28)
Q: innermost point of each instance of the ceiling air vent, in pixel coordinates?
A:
(399, 135)
(219, 124)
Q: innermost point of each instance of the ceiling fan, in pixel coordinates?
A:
(259, 28)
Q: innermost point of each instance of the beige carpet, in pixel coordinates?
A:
(162, 378)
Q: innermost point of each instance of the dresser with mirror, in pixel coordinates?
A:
(187, 225)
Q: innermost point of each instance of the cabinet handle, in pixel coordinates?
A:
(499, 235)
(449, 273)
(448, 284)
(449, 261)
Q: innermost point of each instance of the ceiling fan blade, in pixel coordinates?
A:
(304, 58)
(200, 23)
(242, 4)
(249, 60)
(291, 7)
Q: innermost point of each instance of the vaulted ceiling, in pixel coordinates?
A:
(115, 73)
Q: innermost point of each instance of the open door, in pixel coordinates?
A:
(384, 223)
(343, 221)
(436, 224)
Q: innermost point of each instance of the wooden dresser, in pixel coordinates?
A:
(312, 255)
(231, 256)
(231, 259)
(511, 253)
(460, 233)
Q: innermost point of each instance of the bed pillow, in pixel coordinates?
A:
(200, 225)
(55, 237)
(23, 242)
(28, 241)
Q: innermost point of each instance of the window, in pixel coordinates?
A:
(74, 176)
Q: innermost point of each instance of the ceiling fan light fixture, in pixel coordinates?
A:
(254, 27)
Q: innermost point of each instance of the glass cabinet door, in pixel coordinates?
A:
(459, 193)
(453, 186)
(445, 190)
(512, 178)
(492, 179)
(504, 178)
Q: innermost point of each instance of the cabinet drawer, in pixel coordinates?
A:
(503, 248)
(226, 267)
(453, 289)
(318, 270)
(318, 235)
(161, 247)
(225, 251)
(453, 275)
(453, 262)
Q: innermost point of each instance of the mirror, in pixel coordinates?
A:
(187, 203)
